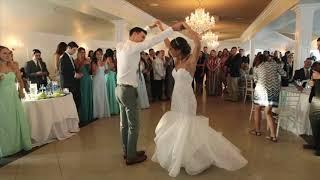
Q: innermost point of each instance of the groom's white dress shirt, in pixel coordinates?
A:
(128, 57)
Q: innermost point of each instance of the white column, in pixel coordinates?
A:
(2, 20)
(121, 30)
(303, 34)
(252, 50)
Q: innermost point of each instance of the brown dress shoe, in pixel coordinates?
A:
(136, 160)
(139, 153)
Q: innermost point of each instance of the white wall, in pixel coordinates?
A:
(26, 25)
(47, 44)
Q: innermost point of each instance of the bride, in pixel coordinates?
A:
(184, 139)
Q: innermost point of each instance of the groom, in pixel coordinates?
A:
(128, 57)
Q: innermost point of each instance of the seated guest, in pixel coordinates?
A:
(14, 127)
(314, 113)
(303, 73)
(36, 69)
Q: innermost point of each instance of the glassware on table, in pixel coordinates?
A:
(33, 90)
(66, 90)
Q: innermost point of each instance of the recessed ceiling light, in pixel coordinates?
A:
(239, 18)
(153, 4)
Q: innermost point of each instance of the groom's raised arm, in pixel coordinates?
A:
(158, 38)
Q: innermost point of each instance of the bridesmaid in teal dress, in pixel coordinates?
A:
(111, 81)
(86, 107)
(14, 129)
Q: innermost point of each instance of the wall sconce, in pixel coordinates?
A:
(14, 43)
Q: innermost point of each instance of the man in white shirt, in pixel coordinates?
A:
(128, 57)
(159, 74)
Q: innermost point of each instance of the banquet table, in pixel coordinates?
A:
(302, 114)
(51, 119)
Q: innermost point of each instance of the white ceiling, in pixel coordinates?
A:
(47, 17)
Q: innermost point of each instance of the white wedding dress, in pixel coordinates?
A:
(184, 139)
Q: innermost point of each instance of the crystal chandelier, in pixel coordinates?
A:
(200, 21)
(210, 39)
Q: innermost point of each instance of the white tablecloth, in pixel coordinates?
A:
(303, 123)
(51, 119)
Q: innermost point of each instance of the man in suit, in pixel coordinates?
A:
(69, 78)
(233, 65)
(303, 73)
(36, 69)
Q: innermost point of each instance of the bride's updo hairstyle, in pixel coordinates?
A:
(181, 44)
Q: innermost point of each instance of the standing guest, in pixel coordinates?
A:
(284, 59)
(152, 55)
(205, 53)
(86, 95)
(14, 128)
(148, 70)
(159, 74)
(61, 48)
(69, 77)
(111, 82)
(142, 90)
(36, 69)
(266, 93)
(199, 74)
(100, 92)
(90, 55)
(288, 68)
(213, 69)
(314, 113)
(233, 68)
(169, 80)
(24, 79)
(219, 54)
(224, 58)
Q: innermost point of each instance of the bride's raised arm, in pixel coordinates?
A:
(160, 26)
(197, 43)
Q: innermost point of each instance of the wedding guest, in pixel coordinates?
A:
(169, 80)
(266, 93)
(147, 73)
(36, 69)
(100, 92)
(86, 95)
(61, 48)
(69, 77)
(303, 74)
(142, 90)
(159, 74)
(213, 71)
(314, 113)
(199, 74)
(24, 79)
(111, 82)
(15, 133)
(288, 68)
(233, 75)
